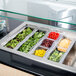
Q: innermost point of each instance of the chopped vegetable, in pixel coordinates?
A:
(31, 42)
(53, 35)
(64, 44)
(56, 55)
(23, 34)
(12, 43)
(47, 43)
(19, 37)
(40, 52)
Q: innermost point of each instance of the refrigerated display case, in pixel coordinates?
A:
(41, 37)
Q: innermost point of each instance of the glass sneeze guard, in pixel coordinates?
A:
(57, 10)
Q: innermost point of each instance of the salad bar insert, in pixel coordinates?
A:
(39, 42)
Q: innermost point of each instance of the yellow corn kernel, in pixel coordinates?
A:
(40, 52)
